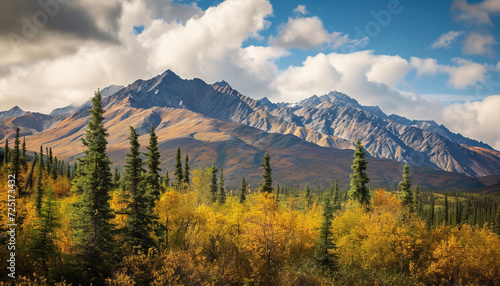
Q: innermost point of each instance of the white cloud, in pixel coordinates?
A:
(308, 32)
(477, 44)
(461, 75)
(477, 13)
(446, 40)
(477, 119)
(301, 9)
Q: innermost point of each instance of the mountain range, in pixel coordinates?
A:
(309, 141)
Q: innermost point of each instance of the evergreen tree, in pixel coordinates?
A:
(166, 180)
(153, 163)
(324, 254)
(116, 178)
(139, 222)
(432, 214)
(359, 191)
(54, 168)
(243, 191)
(222, 191)
(24, 159)
(496, 223)
(41, 164)
(416, 199)
(43, 247)
(446, 209)
(406, 189)
(6, 153)
(213, 183)
(336, 198)
(307, 190)
(267, 181)
(68, 171)
(186, 173)
(92, 225)
(50, 162)
(38, 188)
(15, 163)
(178, 170)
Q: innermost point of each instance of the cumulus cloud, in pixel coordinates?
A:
(477, 119)
(478, 44)
(446, 40)
(308, 32)
(301, 9)
(461, 75)
(477, 13)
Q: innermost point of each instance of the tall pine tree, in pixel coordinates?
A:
(178, 173)
(243, 191)
(213, 183)
(222, 191)
(324, 255)
(359, 191)
(139, 224)
(185, 173)
(15, 161)
(406, 189)
(267, 181)
(6, 153)
(153, 175)
(24, 158)
(93, 230)
(38, 188)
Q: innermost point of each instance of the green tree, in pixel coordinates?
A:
(6, 153)
(336, 197)
(267, 181)
(213, 183)
(406, 189)
(92, 225)
(24, 158)
(178, 173)
(359, 191)
(446, 209)
(43, 247)
(166, 180)
(186, 174)
(15, 161)
(496, 223)
(308, 197)
(140, 220)
(54, 168)
(153, 175)
(50, 161)
(416, 199)
(222, 191)
(41, 164)
(243, 191)
(324, 255)
(116, 178)
(39, 188)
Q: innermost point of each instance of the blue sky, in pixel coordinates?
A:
(434, 60)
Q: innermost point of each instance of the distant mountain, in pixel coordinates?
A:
(307, 140)
(13, 112)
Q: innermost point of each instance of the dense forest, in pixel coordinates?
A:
(87, 223)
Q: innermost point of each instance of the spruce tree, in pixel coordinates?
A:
(41, 164)
(24, 159)
(50, 161)
(416, 199)
(308, 197)
(267, 181)
(6, 153)
(68, 171)
(92, 225)
(116, 178)
(54, 168)
(15, 163)
(153, 172)
(243, 191)
(43, 247)
(406, 189)
(38, 188)
(186, 174)
(222, 191)
(496, 223)
(139, 222)
(324, 255)
(166, 181)
(178, 170)
(336, 198)
(446, 209)
(213, 183)
(359, 191)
